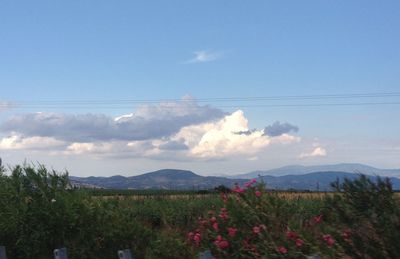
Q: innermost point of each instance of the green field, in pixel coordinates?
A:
(39, 212)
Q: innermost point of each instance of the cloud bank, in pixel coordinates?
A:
(180, 131)
(148, 122)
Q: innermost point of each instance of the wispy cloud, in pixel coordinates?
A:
(203, 56)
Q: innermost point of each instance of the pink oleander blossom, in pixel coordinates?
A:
(215, 226)
(221, 243)
(197, 238)
(256, 230)
(291, 235)
(299, 242)
(223, 214)
(317, 219)
(346, 234)
(232, 232)
(282, 250)
(328, 239)
(238, 189)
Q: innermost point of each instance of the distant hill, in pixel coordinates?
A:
(173, 179)
(167, 179)
(315, 181)
(299, 169)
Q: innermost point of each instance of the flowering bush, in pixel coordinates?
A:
(256, 223)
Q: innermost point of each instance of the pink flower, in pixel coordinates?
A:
(221, 243)
(346, 234)
(237, 189)
(190, 235)
(197, 238)
(213, 219)
(256, 230)
(317, 219)
(224, 214)
(282, 249)
(299, 242)
(232, 232)
(250, 183)
(215, 226)
(328, 239)
(291, 235)
(258, 193)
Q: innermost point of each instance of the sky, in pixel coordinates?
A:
(217, 87)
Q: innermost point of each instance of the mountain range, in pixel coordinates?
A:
(166, 179)
(290, 177)
(317, 181)
(344, 167)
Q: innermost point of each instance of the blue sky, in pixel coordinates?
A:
(154, 50)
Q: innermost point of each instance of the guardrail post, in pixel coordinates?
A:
(125, 254)
(60, 253)
(3, 254)
(205, 255)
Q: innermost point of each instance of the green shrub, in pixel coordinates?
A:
(371, 216)
(40, 211)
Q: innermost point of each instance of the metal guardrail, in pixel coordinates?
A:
(3, 254)
(205, 255)
(62, 253)
(125, 254)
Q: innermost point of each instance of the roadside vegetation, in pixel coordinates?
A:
(41, 211)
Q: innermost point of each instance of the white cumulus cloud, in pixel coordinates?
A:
(317, 151)
(38, 143)
(221, 139)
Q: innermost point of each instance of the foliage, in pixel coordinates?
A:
(371, 216)
(357, 222)
(41, 211)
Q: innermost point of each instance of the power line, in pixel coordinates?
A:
(225, 106)
(214, 99)
(359, 99)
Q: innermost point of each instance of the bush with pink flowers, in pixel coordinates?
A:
(256, 223)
